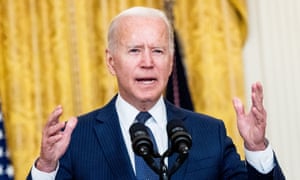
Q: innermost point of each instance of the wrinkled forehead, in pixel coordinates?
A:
(141, 22)
(132, 23)
(142, 28)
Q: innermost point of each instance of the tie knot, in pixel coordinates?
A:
(142, 117)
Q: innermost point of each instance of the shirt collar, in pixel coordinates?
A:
(127, 112)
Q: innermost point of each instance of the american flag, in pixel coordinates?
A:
(6, 169)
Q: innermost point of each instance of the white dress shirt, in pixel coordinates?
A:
(157, 123)
(262, 161)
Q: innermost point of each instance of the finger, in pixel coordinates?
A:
(258, 90)
(54, 116)
(54, 139)
(259, 116)
(254, 99)
(257, 100)
(70, 126)
(54, 129)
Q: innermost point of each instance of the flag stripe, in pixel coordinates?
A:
(6, 169)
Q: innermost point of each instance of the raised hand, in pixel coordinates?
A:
(55, 140)
(252, 125)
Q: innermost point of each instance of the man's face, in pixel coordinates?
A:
(141, 61)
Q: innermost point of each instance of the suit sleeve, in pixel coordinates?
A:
(234, 168)
(275, 174)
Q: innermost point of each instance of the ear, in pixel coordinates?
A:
(172, 63)
(110, 62)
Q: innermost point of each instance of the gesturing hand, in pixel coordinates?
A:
(55, 140)
(252, 126)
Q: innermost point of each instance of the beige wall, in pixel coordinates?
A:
(272, 56)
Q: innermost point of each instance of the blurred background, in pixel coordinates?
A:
(52, 52)
(272, 55)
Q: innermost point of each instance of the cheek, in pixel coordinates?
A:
(123, 71)
(164, 75)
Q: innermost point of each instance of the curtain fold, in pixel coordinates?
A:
(52, 52)
(213, 33)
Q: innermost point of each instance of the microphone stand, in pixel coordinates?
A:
(151, 162)
(164, 173)
(182, 143)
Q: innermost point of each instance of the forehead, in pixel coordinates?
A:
(139, 29)
(140, 20)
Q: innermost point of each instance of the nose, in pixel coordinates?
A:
(147, 59)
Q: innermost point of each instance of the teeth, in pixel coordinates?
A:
(146, 81)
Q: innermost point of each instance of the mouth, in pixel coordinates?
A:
(146, 81)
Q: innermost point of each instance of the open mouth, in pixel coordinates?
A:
(146, 80)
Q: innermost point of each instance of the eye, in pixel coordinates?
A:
(134, 51)
(158, 51)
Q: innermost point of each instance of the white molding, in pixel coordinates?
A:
(272, 56)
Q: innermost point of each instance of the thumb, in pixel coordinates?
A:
(238, 106)
(70, 126)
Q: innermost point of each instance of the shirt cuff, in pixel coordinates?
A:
(37, 174)
(262, 161)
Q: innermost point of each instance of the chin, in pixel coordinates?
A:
(149, 98)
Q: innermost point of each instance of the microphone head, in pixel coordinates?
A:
(181, 140)
(141, 142)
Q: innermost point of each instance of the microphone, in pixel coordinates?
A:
(181, 140)
(141, 142)
(142, 145)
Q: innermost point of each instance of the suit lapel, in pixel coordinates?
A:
(109, 135)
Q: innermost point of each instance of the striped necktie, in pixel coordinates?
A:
(143, 171)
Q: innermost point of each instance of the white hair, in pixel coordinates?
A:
(139, 12)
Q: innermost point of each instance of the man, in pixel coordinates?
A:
(98, 145)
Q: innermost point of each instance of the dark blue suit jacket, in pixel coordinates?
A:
(97, 150)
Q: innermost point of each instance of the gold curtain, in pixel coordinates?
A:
(52, 52)
(213, 33)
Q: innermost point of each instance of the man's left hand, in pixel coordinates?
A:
(252, 125)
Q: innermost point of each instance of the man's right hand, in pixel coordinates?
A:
(55, 140)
